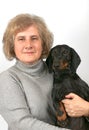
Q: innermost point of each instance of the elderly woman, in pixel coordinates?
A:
(25, 88)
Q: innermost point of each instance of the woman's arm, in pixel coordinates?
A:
(76, 106)
(14, 108)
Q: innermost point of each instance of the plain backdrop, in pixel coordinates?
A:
(67, 19)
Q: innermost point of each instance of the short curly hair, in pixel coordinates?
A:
(20, 23)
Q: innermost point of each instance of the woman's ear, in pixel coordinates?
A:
(49, 62)
(75, 60)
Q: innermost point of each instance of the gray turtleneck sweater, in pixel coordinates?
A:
(25, 97)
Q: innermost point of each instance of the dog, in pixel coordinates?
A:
(63, 62)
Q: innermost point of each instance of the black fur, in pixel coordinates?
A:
(63, 62)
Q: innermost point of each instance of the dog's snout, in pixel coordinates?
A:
(55, 66)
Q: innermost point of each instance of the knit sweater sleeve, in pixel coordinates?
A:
(14, 108)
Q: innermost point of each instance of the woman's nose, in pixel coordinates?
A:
(28, 44)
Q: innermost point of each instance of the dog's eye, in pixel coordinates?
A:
(54, 52)
(65, 52)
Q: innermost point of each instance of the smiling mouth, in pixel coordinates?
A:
(29, 52)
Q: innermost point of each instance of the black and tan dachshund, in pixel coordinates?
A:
(63, 61)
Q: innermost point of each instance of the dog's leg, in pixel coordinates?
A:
(61, 115)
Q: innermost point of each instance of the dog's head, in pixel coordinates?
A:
(63, 57)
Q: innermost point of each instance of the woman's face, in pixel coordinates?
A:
(28, 45)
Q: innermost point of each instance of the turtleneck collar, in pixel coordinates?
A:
(36, 69)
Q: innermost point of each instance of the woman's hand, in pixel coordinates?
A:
(76, 106)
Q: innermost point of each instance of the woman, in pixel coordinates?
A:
(25, 88)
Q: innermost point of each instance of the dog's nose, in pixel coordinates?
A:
(55, 66)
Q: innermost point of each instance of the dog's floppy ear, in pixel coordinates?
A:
(75, 60)
(49, 62)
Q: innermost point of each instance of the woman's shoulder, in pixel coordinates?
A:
(4, 73)
(8, 74)
(8, 78)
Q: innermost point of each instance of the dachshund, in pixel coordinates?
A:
(63, 62)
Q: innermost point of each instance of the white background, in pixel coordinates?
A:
(67, 19)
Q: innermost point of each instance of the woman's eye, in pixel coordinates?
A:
(21, 39)
(34, 38)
